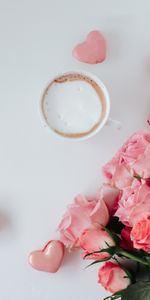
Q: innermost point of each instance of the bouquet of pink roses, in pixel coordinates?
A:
(114, 226)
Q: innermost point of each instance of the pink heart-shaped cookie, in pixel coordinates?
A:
(48, 259)
(93, 50)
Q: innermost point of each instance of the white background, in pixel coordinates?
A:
(40, 173)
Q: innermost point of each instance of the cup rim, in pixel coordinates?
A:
(107, 99)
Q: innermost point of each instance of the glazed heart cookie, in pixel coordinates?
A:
(92, 50)
(48, 259)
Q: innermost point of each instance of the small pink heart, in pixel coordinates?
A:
(48, 259)
(93, 50)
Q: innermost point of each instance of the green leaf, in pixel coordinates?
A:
(115, 225)
(95, 252)
(98, 261)
(114, 236)
(115, 296)
(137, 291)
(110, 250)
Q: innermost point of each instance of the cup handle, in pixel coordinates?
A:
(114, 123)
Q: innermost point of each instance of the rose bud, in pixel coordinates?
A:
(113, 278)
(92, 240)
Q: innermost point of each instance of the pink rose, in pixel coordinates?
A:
(113, 278)
(134, 203)
(132, 158)
(83, 213)
(110, 195)
(126, 242)
(142, 164)
(116, 174)
(95, 239)
(140, 234)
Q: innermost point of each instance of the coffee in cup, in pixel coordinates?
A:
(75, 105)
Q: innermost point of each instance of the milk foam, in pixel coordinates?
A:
(72, 107)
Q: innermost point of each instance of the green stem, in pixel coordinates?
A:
(133, 257)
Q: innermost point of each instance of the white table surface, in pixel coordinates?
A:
(39, 173)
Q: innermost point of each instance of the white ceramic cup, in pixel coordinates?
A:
(99, 126)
